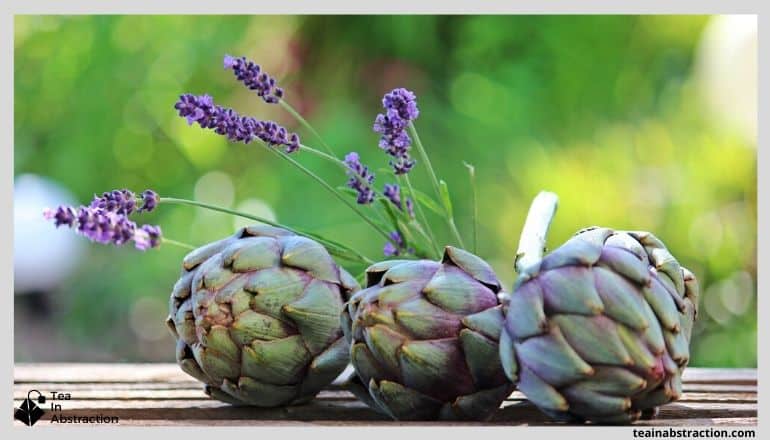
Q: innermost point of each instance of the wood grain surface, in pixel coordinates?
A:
(161, 394)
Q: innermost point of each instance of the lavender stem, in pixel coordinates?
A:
(328, 244)
(328, 188)
(423, 219)
(434, 180)
(305, 124)
(177, 243)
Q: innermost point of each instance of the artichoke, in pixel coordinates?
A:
(256, 317)
(424, 338)
(599, 329)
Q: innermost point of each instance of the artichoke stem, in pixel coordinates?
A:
(535, 230)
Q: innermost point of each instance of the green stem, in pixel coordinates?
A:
(342, 165)
(225, 210)
(423, 218)
(321, 154)
(434, 180)
(305, 123)
(329, 188)
(177, 243)
(424, 157)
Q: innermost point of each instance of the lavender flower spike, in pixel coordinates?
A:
(253, 77)
(402, 102)
(360, 178)
(120, 201)
(146, 237)
(150, 200)
(400, 108)
(393, 247)
(229, 123)
(393, 193)
(105, 220)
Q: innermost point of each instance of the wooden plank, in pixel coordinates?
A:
(195, 386)
(161, 394)
(341, 409)
(720, 375)
(96, 372)
(165, 372)
(719, 388)
(109, 393)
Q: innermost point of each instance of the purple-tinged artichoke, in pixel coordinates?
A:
(256, 317)
(424, 338)
(599, 329)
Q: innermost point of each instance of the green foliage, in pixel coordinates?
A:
(599, 109)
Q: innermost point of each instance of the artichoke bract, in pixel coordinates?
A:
(599, 329)
(424, 338)
(256, 317)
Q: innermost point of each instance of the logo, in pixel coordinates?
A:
(28, 412)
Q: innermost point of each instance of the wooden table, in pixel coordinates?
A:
(161, 394)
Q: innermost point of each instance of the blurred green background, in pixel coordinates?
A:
(630, 119)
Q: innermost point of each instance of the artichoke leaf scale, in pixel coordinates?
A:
(552, 358)
(474, 266)
(385, 344)
(622, 300)
(280, 361)
(304, 253)
(423, 320)
(455, 291)
(435, 367)
(482, 359)
(595, 339)
(570, 289)
(251, 254)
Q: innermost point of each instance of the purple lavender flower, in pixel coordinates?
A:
(150, 200)
(228, 122)
(105, 220)
(102, 226)
(120, 201)
(63, 215)
(400, 108)
(146, 237)
(393, 246)
(253, 77)
(360, 178)
(403, 102)
(393, 193)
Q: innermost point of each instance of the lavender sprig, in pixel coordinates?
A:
(395, 246)
(103, 226)
(393, 193)
(253, 77)
(228, 122)
(360, 178)
(119, 201)
(106, 219)
(400, 108)
(150, 200)
(124, 202)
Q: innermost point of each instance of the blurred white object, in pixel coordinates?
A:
(43, 255)
(726, 71)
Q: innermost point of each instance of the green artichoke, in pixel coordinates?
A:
(599, 330)
(256, 317)
(424, 338)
